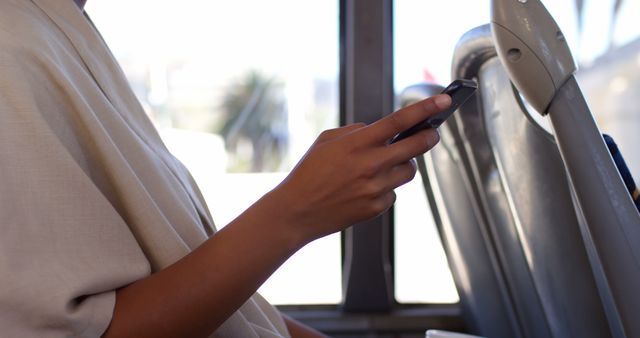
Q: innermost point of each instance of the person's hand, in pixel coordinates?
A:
(347, 176)
(349, 173)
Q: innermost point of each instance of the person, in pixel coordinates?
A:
(103, 231)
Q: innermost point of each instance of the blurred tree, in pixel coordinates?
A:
(255, 114)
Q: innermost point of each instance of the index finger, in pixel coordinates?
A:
(391, 125)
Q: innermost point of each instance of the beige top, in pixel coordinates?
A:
(90, 198)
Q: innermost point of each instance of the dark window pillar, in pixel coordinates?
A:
(367, 95)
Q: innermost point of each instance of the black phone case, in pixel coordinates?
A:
(460, 91)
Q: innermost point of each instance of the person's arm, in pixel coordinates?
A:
(347, 176)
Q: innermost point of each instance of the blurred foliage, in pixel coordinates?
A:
(255, 123)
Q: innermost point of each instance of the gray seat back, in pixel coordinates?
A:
(506, 207)
(461, 224)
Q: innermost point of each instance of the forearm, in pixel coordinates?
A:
(347, 176)
(197, 294)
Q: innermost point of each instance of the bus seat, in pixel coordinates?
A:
(462, 227)
(499, 179)
(527, 38)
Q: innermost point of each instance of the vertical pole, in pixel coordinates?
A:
(367, 95)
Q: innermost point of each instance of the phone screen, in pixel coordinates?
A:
(460, 91)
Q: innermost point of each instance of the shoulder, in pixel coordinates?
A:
(25, 31)
(32, 48)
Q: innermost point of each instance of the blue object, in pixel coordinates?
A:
(623, 169)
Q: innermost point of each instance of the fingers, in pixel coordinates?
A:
(397, 176)
(338, 132)
(401, 174)
(384, 202)
(391, 179)
(413, 146)
(405, 118)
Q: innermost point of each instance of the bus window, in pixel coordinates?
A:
(425, 34)
(238, 96)
(609, 72)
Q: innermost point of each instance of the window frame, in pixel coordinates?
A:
(368, 305)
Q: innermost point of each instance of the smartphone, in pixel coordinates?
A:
(460, 91)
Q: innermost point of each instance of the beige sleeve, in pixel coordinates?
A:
(63, 247)
(274, 315)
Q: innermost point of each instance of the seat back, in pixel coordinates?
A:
(506, 212)
(462, 227)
